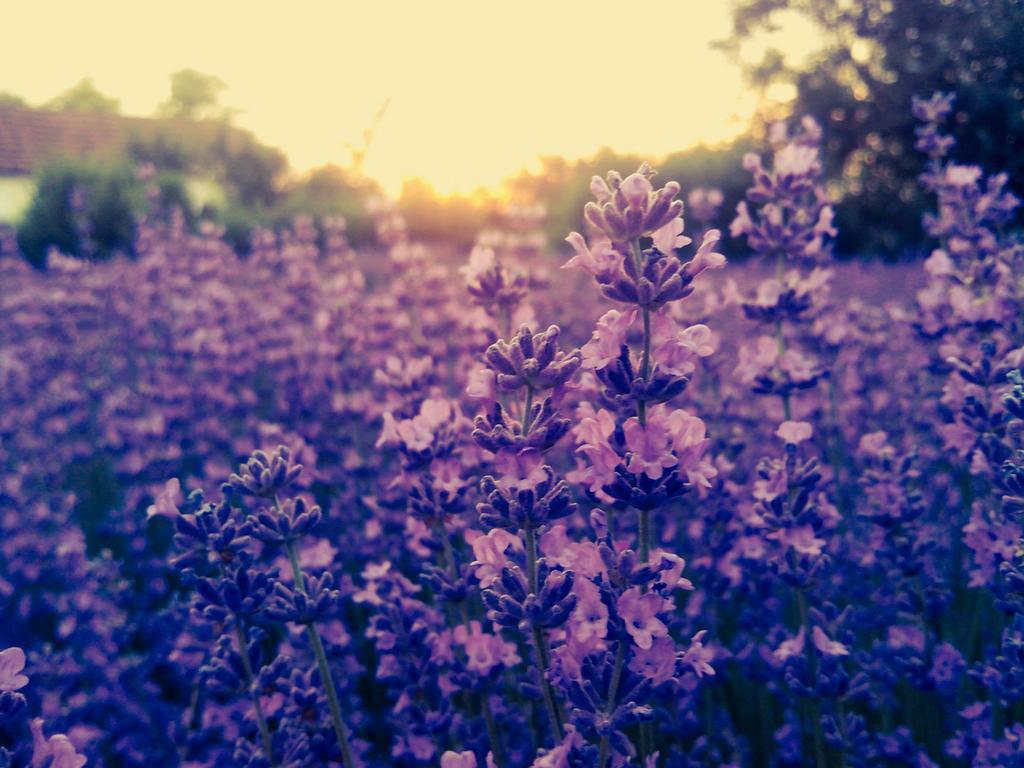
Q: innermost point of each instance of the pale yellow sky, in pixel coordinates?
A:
(477, 90)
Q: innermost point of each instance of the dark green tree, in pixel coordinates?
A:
(252, 172)
(875, 56)
(82, 208)
(194, 96)
(84, 96)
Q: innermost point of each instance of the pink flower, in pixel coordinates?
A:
(166, 502)
(484, 651)
(581, 557)
(671, 568)
(388, 431)
(489, 552)
(939, 264)
(801, 538)
(446, 474)
(690, 443)
(588, 624)
(458, 760)
(592, 434)
(827, 646)
(481, 385)
(794, 432)
(417, 433)
(657, 663)
(678, 349)
(796, 160)
(12, 662)
(757, 361)
(907, 636)
(798, 366)
(670, 237)
(792, 647)
(601, 259)
(639, 611)
(481, 259)
(649, 447)
(317, 554)
(606, 343)
(600, 190)
(636, 189)
(703, 203)
(55, 752)
(877, 444)
(522, 470)
(558, 757)
(707, 257)
(697, 657)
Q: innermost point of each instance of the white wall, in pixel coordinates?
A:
(15, 196)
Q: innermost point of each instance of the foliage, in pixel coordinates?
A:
(875, 56)
(89, 209)
(84, 96)
(81, 208)
(194, 96)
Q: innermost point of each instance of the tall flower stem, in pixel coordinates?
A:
(812, 664)
(449, 563)
(250, 683)
(527, 410)
(613, 692)
(540, 643)
(497, 750)
(644, 527)
(644, 532)
(645, 535)
(780, 336)
(340, 732)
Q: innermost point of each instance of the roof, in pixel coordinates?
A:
(28, 136)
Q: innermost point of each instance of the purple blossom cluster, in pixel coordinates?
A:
(404, 506)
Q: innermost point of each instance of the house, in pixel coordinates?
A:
(30, 137)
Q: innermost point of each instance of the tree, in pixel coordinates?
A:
(8, 99)
(84, 208)
(84, 96)
(875, 56)
(251, 171)
(194, 96)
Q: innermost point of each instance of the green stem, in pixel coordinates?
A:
(527, 410)
(645, 357)
(531, 558)
(812, 663)
(780, 273)
(448, 557)
(645, 536)
(644, 532)
(340, 732)
(540, 643)
(540, 646)
(250, 682)
(497, 750)
(613, 692)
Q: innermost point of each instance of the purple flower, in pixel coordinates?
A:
(639, 611)
(12, 662)
(794, 432)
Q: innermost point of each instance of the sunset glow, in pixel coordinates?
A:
(474, 92)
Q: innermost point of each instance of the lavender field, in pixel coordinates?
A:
(558, 386)
(621, 502)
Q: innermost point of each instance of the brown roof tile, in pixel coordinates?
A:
(28, 136)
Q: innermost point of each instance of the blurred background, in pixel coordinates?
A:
(250, 114)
